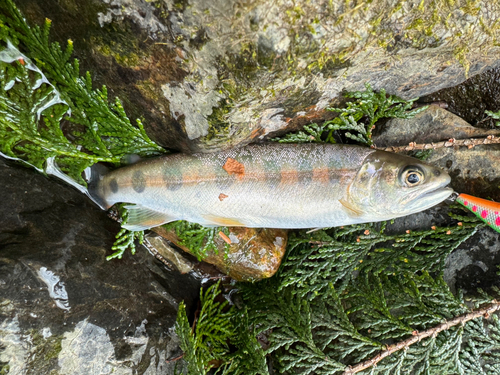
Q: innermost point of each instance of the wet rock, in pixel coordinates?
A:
(217, 74)
(254, 253)
(431, 125)
(472, 98)
(473, 171)
(474, 264)
(65, 309)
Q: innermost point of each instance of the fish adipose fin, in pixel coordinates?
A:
(141, 218)
(351, 211)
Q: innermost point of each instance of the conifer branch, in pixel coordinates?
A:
(485, 311)
(470, 143)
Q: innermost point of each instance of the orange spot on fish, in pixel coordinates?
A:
(222, 196)
(366, 232)
(21, 61)
(232, 166)
(225, 238)
(449, 232)
(459, 223)
(289, 176)
(321, 175)
(433, 227)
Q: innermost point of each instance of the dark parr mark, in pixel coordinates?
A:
(113, 185)
(305, 172)
(305, 177)
(173, 178)
(138, 182)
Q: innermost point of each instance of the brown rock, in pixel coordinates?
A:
(253, 254)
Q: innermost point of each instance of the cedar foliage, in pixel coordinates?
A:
(375, 295)
(50, 116)
(37, 102)
(362, 111)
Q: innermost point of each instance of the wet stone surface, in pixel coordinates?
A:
(471, 98)
(63, 308)
(474, 264)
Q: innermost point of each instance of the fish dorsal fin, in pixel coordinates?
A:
(350, 209)
(140, 218)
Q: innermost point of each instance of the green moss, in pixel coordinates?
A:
(198, 239)
(219, 125)
(45, 352)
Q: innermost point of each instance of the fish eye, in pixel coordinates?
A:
(412, 176)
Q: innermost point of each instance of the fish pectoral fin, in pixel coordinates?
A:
(141, 218)
(221, 221)
(350, 209)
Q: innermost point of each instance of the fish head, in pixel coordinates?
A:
(389, 185)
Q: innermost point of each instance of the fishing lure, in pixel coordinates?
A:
(486, 210)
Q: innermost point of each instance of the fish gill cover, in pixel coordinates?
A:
(344, 300)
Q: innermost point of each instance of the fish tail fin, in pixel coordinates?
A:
(95, 189)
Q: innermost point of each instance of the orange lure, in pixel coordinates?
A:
(487, 211)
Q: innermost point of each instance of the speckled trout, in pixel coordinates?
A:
(274, 186)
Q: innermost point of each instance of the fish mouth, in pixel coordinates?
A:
(433, 196)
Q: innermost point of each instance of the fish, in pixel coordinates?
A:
(273, 186)
(487, 211)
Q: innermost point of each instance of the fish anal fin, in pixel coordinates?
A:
(222, 221)
(141, 218)
(350, 209)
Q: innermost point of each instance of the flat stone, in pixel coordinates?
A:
(474, 264)
(472, 98)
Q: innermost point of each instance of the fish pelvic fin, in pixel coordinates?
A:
(221, 221)
(141, 218)
(350, 209)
